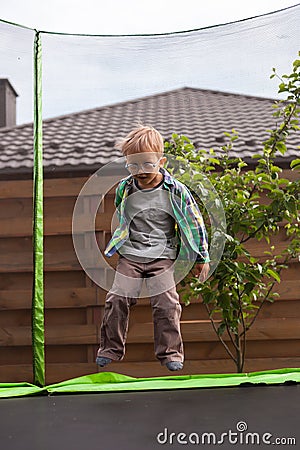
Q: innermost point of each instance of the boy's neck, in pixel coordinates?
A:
(141, 183)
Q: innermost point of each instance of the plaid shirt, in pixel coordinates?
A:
(189, 227)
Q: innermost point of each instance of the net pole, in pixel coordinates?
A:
(37, 324)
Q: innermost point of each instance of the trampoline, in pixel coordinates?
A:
(109, 410)
(257, 414)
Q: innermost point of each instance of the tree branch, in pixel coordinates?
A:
(220, 338)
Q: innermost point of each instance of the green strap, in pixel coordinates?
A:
(38, 252)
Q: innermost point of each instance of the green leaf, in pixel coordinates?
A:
(208, 297)
(248, 287)
(281, 147)
(282, 87)
(296, 63)
(221, 329)
(295, 163)
(273, 274)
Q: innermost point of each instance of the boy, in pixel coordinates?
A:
(147, 243)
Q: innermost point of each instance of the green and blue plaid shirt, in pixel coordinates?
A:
(189, 228)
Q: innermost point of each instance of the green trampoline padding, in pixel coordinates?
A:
(111, 381)
(18, 389)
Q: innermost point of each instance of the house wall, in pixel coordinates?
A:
(74, 304)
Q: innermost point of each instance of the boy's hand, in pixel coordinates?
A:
(201, 271)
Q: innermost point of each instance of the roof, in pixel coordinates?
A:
(87, 138)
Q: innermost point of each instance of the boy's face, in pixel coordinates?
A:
(144, 170)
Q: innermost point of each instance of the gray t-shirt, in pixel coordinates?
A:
(151, 224)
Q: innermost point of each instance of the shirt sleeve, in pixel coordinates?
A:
(196, 222)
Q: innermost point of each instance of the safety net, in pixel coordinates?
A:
(66, 99)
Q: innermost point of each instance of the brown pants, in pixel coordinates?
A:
(166, 309)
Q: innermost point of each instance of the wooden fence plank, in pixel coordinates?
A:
(58, 187)
(56, 261)
(54, 335)
(54, 298)
(288, 303)
(12, 208)
(55, 226)
(201, 330)
(288, 288)
(202, 350)
(192, 331)
(196, 311)
(53, 354)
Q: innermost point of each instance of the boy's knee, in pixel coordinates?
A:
(168, 299)
(119, 302)
(164, 310)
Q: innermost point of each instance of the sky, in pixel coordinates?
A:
(132, 16)
(80, 73)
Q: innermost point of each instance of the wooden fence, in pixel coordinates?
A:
(74, 303)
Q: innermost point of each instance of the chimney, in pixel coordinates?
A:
(8, 97)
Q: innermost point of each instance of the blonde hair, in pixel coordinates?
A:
(143, 138)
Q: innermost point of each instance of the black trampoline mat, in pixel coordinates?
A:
(133, 420)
